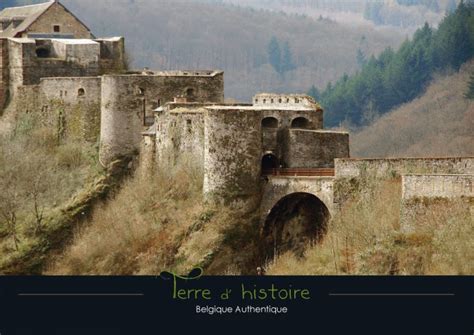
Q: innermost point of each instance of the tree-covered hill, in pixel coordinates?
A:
(396, 77)
(177, 34)
(438, 123)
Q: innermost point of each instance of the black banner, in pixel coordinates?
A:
(317, 305)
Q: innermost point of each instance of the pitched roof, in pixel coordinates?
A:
(29, 14)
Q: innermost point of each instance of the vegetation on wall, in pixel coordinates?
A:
(396, 77)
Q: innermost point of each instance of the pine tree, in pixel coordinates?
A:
(314, 92)
(287, 59)
(451, 7)
(470, 89)
(361, 59)
(274, 54)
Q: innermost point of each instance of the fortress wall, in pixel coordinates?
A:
(285, 117)
(275, 139)
(180, 135)
(232, 155)
(425, 197)
(28, 100)
(437, 186)
(314, 149)
(270, 141)
(74, 103)
(112, 55)
(26, 68)
(15, 60)
(4, 73)
(122, 118)
(128, 99)
(383, 168)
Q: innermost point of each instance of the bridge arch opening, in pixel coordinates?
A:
(269, 162)
(296, 221)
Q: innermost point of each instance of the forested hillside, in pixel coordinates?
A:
(439, 123)
(396, 77)
(397, 13)
(182, 34)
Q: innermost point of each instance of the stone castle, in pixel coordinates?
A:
(272, 154)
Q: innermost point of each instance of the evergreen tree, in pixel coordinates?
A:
(470, 88)
(287, 59)
(314, 92)
(361, 59)
(451, 7)
(274, 54)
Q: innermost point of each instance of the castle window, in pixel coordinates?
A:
(279, 100)
(81, 92)
(190, 92)
(297, 100)
(158, 103)
(264, 101)
(42, 52)
(189, 125)
(256, 101)
(140, 91)
(269, 122)
(300, 122)
(57, 28)
(271, 101)
(287, 100)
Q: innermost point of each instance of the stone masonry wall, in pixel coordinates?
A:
(382, 168)
(437, 186)
(59, 15)
(4, 73)
(314, 148)
(74, 104)
(128, 99)
(180, 135)
(426, 196)
(232, 154)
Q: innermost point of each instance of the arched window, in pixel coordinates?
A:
(270, 122)
(140, 91)
(81, 92)
(42, 52)
(190, 92)
(300, 122)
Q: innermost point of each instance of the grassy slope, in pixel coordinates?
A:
(161, 222)
(439, 123)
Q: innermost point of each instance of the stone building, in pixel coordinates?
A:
(271, 155)
(46, 20)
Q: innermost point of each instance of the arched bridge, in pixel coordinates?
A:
(295, 208)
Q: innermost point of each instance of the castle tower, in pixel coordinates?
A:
(232, 154)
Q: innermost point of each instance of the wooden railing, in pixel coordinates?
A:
(322, 172)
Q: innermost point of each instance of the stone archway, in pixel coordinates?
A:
(269, 162)
(294, 222)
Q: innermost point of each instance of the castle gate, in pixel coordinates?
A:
(295, 211)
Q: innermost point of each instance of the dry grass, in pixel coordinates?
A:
(439, 123)
(154, 223)
(38, 173)
(365, 239)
